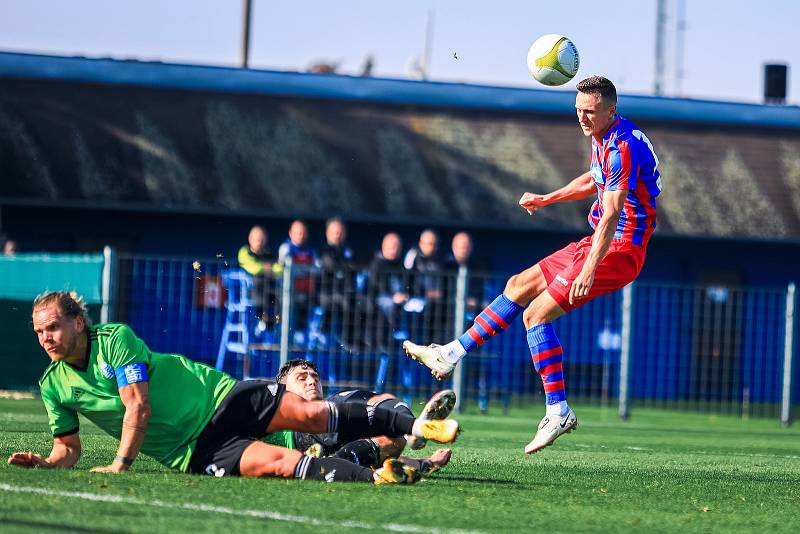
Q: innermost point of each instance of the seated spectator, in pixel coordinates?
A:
(460, 252)
(336, 256)
(427, 279)
(257, 259)
(461, 256)
(424, 262)
(303, 259)
(387, 287)
(337, 289)
(9, 247)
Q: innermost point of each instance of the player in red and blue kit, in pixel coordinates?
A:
(624, 177)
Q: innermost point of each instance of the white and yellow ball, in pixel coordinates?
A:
(553, 59)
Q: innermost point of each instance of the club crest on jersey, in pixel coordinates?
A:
(106, 370)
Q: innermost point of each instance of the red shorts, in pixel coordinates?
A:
(619, 267)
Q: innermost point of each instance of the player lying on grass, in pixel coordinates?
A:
(624, 178)
(186, 415)
(302, 377)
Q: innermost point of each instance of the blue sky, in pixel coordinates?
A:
(726, 42)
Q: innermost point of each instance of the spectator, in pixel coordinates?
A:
(337, 290)
(335, 255)
(304, 258)
(258, 260)
(460, 252)
(427, 279)
(388, 287)
(9, 247)
(461, 256)
(423, 261)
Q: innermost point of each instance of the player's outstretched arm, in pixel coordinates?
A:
(578, 189)
(66, 452)
(137, 413)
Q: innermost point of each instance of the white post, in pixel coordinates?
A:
(286, 311)
(458, 327)
(625, 350)
(788, 356)
(107, 287)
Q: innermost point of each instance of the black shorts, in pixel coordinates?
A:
(241, 419)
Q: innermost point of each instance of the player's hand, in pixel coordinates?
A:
(532, 202)
(581, 286)
(115, 467)
(28, 459)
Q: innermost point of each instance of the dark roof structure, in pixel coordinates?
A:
(77, 131)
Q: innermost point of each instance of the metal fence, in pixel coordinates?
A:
(700, 348)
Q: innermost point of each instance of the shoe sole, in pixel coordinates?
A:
(436, 374)
(440, 406)
(573, 427)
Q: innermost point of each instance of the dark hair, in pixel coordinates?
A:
(291, 364)
(70, 304)
(601, 86)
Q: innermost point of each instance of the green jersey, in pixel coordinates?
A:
(281, 438)
(183, 394)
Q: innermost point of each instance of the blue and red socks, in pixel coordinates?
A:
(548, 358)
(491, 321)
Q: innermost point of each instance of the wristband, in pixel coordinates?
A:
(124, 460)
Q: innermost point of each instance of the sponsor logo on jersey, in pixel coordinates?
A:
(329, 477)
(106, 370)
(77, 393)
(370, 413)
(561, 280)
(273, 388)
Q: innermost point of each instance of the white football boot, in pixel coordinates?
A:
(550, 427)
(432, 357)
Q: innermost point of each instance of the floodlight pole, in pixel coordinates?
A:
(661, 20)
(246, 33)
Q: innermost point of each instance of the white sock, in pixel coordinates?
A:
(453, 352)
(560, 408)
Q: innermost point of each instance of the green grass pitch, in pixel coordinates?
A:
(659, 472)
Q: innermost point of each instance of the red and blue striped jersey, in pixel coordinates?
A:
(626, 160)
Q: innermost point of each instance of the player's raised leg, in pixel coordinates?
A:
(495, 318)
(548, 355)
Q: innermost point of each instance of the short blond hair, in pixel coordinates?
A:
(70, 304)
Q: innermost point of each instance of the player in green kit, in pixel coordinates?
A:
(186, 415)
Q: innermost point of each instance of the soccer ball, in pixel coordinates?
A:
(553, 59)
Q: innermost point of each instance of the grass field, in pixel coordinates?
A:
(661, 471)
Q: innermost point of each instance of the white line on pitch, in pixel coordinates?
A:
(261, 514)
